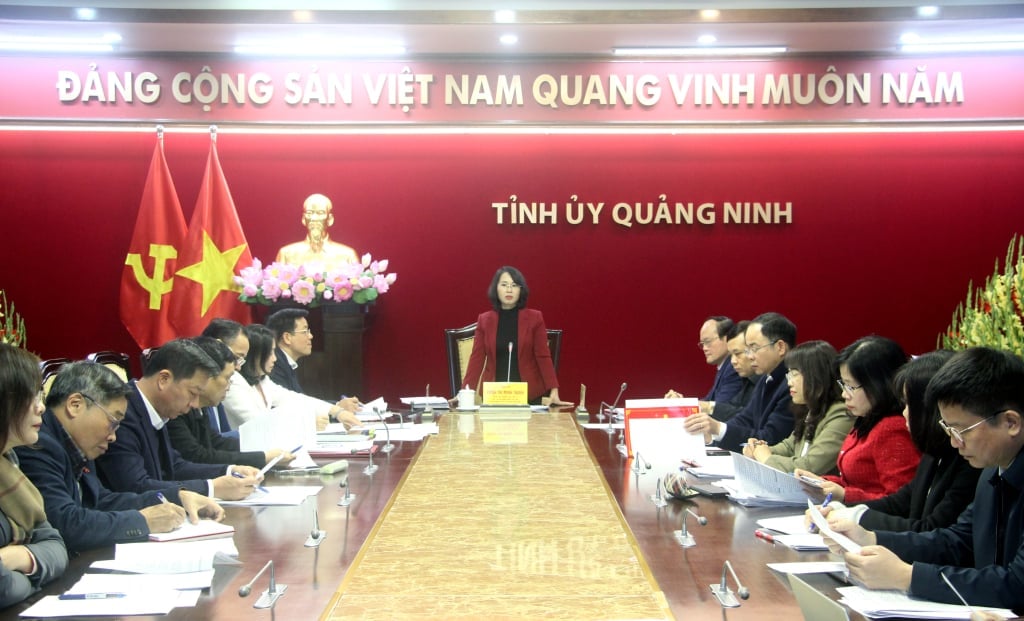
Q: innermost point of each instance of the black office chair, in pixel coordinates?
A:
(49, 369)
(459, 343)
(116, 361)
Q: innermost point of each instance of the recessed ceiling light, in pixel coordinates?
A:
(505, 17)
(710, 14)
(707, 39)
(315, 46)
(509, 39)
(99, 43)
(763, 50)
(1000, 43)
(85, 13)
(302, 17)
(927, 11)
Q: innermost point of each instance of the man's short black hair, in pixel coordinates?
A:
(284, 320)
(981, 380)
(776, 327)
(182, 358)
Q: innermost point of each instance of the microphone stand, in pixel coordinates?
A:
(269, 597)
(683, 537)
(388, 446)
(724, 595)
(611, 410)
(427, 408)
(656, 497)
(371, 467)
(637, 458)
(316, 536)
(347, 499)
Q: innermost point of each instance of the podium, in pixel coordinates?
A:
(335, 367)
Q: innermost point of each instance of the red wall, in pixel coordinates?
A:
(887, 231)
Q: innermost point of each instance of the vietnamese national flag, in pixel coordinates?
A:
(212, 254)
(148, 276)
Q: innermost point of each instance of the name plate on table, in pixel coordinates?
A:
(506, 394)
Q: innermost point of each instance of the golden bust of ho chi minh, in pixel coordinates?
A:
(317, 249)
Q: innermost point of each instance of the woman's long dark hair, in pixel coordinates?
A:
(873, 361)
(910, 383)
(261, 345)
(816, 363)
(20, 383)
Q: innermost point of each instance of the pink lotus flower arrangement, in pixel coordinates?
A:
(312, 285)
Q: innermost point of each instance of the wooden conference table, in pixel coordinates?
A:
(313, 575)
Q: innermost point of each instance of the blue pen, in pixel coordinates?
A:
(67, 596)
(163, 498)
(242, 476)
(296, 449)
(828, 499)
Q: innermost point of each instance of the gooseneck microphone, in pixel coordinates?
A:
(508, 372)
(316, 536)
(269, 597)
(637, 460)
(723, 594)
(683, 537)
(611, 409)
(388, 446)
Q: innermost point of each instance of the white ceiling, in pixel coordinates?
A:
(545, 28)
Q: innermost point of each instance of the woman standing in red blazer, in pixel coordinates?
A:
(512, 325)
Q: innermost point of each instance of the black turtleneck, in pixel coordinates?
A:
(508, 332)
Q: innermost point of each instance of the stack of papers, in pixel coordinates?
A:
(174, 557)
(787, 525)
(803, 543)
(203, 529)
(758, 485)
(887, 604)
(713, 467)
(422, 402)
(279, 495)
(102, 594)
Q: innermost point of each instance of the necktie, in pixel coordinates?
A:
(213, 419)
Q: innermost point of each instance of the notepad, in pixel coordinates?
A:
(204, 529)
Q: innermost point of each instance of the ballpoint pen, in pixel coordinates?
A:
(242, 476)
(163, 498)
(828, 499)
(67, 596)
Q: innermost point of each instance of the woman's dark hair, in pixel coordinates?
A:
(872, 361)
(261, 345)
(816, 362)
(20, 382)
(910, 383)
(517, 277)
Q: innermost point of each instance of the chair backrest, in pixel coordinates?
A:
(144, 357)
(459, 342)
(49, 369)
(116, 361)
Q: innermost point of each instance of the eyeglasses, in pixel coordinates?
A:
(509, 285)
(303, 331)
(114, 423)
(753, 349)
(848, 388)
(701, 344)
(239, 361)
(792, 374)
(958, 434)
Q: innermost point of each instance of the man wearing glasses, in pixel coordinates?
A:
(713, 343)
(294, 342)
(980, 394)
(85, 406)
(769, 337)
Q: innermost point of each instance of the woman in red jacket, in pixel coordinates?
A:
(878, 456)
(512, 325)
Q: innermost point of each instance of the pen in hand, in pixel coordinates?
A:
(242, 476)
(828, 499)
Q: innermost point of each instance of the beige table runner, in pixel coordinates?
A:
(501, 517)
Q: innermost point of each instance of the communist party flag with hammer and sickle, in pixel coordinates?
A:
(148, 276)
(214, 251)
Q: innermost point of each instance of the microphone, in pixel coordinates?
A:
(269, 597)
(388, 446)
(683, 537)
(611, 409)
(637, 458)
(370, 467)
(508, 372)
(347, 499)
(723, 594)
(316, 536)
(427, 409)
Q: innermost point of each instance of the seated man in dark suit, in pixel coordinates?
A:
(294, 342)
(142, 458)
(767, 417)
(229, 332)
(191, 434)
(740, 362)
(714, 338)
(980, 395)
(84, 408)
